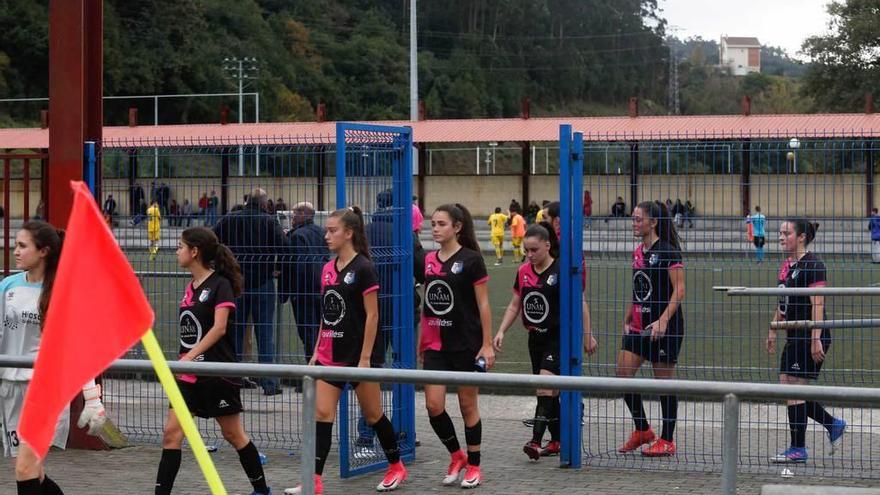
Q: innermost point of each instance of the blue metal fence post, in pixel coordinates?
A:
(571, 167)
(340, 165)
(89, 167)
(403, 397)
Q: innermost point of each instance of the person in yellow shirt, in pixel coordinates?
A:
(517, 232)
(497, 221)
(540, 216)
(154, 225)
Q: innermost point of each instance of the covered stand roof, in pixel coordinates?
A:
(658, 128)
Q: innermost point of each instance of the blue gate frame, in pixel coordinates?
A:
(571, 179)
(388, 155)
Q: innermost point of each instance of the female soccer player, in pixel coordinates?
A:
(517, 232)
(497, 221)
(536, 299)
(349, 325)
(154, 227)
(206, 313)
(654, 324)
(804, 349)
(25, 298)
(456, 334)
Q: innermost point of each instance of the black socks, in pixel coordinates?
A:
(669, 409)
(253, 468)
(323, 439)
(797, 424)
(637, 409)
(169, 464)
(28, 487)
(387, 439)
(445, 430)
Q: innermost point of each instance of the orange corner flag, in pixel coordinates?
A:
(97, 312)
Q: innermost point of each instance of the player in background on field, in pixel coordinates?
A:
(517, 233)
(805, 349)
(348, 337)
(654, 324)
(154, 228)
(536, 300)
(25, 298)
(758, 221)
(497, 221)
(456, 334)
(206, 313)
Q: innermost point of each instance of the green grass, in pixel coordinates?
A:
(724, 335)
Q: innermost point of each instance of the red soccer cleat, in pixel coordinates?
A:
(457, 463)
(660, 448)
(533, 450)
(636, 440)
(552, 448)
(394, 477)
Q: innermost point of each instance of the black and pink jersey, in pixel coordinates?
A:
(809, 271)
(450, 314)
(196, 315)
(343, 314)
(539, 301)
(652, 287)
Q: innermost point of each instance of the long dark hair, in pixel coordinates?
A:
(46, 236)
(544, 231)
(665, 227)
(353, 220)
(214, 255)
(459, 214)
(804, 226)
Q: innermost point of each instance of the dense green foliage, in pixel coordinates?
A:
(845, 62)
(477, 58)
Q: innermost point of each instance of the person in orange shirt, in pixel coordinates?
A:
(517, 232)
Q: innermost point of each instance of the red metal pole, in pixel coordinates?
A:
(6, 217)
(66, 105)
(27, 189)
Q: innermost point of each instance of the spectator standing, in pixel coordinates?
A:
(109, 209)
(300, 280)
(417, 216)
(280, 205)
(213, 206)
(203, 207)
(588, 209)
(874, 228)
(174, 213)
(255, 239)
(618, 209)
(758, 221)
(187, 212)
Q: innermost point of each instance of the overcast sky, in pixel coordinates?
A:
(784, 23)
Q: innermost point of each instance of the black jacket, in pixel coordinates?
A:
(256, 239)
(301, 267)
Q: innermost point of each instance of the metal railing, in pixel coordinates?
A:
(730, 392)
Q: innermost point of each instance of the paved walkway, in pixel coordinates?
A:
(695, 471)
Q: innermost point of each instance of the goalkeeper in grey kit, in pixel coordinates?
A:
(25, 299)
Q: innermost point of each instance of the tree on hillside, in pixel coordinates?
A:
(845, 63)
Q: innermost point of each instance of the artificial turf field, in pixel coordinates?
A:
(724, 336)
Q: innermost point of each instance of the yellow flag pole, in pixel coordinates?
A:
(154, 351)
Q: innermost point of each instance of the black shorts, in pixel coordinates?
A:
(663, 350)
(449, 361)
(341, 384)
(797, 357)
(544, 356)
(212, 397)
(759, 241)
